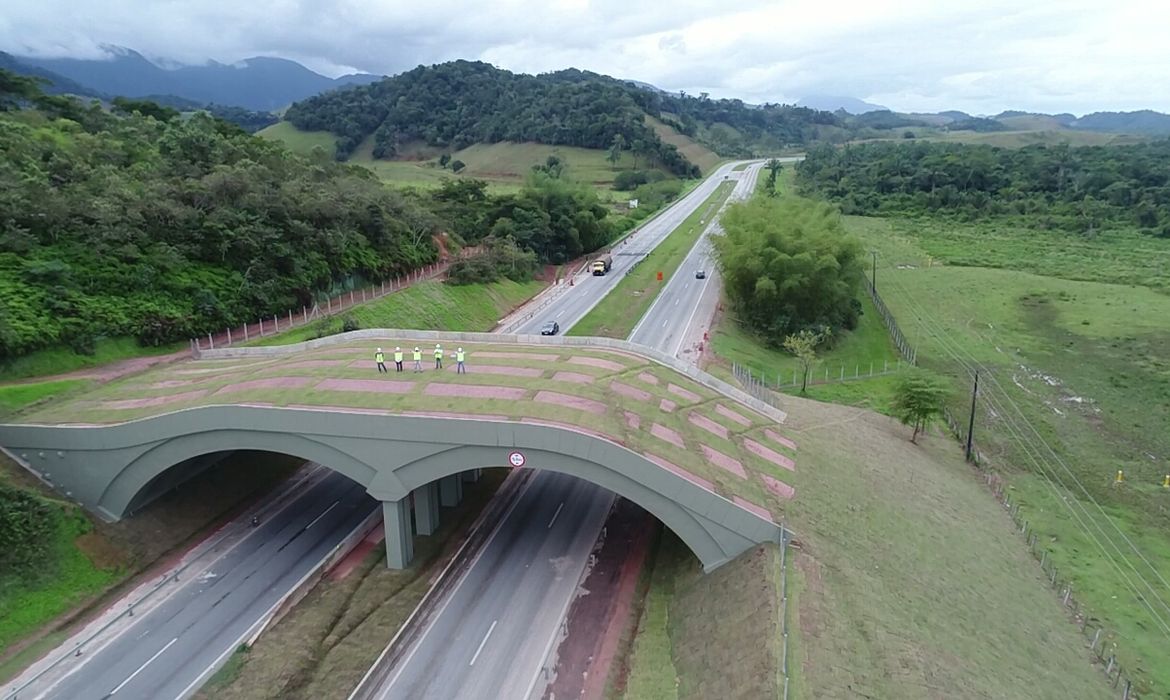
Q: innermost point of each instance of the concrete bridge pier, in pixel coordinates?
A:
(399, 535)
(471, 475)
(451, 490)
(426, 509)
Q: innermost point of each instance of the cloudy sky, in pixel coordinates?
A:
(928, 55)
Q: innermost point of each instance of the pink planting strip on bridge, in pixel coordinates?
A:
(648, 378)
(777, 487)
(461, 416)
(516, 355)
(752, 507)
(577, 402)
(306, 364)
(724, 462)
(779, 439)
(154, 401)
(267, 383)
(473, 391)
(770, 455)
(574, 377)
(633, 420)
(728, 413)
(341, 409)
(172, 383)
(629, 391)
(377, 386)
(567, 426)
(664, 433)
(679, 391)
(671, 467)
(597, 362)
(667, 406)
(707, 424)
(504, 369)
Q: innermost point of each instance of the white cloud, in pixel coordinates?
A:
(1077, 55)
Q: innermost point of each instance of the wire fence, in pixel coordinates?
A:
(785, 537)
(832, 374)
(908, 351)
(331, 305)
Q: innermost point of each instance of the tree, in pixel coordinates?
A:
(457, 166)
(638, 148)
(615, 149)
(444, 160)
(773, 167)
(788, 265)
(17, 89)
(918, 399)
(803, 346)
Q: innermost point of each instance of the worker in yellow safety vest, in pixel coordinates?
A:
(397, 359)
(438, 357)
(459, 368)
(381, 360)
(417, 357)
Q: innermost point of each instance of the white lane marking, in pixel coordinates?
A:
(664, 323)
(453, 592)
(554, 517)
(690, 321)
(559, 313)
(131, 676)
(485, 638)
(676, 301)
(323, 514)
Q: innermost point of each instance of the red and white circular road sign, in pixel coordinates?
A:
(516, 459)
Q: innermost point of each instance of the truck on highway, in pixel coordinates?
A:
(602, 265)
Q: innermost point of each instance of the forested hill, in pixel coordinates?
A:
(457, 104)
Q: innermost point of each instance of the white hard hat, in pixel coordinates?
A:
(397, 349)
(460, 349)
(379, 349)
(416, 348)
(437, 345)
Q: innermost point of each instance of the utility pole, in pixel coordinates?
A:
(971, 422)
(874, 274)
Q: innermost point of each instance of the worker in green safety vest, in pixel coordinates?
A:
(438, 357)
(381, 360)
(417, 357)
(397, 359)
(459, 368)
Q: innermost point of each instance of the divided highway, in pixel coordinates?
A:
(492, 634)
(168, 652)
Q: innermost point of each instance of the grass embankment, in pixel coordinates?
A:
(14, 397)
(714, 636)
(697, 153)
(424, 306)
(60, 360)
(856, 353)
(324, 646)
(1087, 364)
(617, 314)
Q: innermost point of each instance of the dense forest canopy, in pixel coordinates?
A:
(1077, 189)
(457, 104)
(454, 105)
(143, 222)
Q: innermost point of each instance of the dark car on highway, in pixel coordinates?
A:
(700, 274)
(550, 328)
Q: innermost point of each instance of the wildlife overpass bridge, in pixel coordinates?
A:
(711, 462)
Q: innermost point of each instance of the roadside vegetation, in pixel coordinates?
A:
(617, 314)
(1057, 296)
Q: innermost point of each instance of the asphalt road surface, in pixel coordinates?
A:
(170, 651)
(667, 323)
(492, 633)
(572, 305)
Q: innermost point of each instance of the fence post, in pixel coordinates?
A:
(290, 318)
(210, 341)
(229, 331)
(1093, 644)
(305, 313)
(351, 297)
(275, 323)
(261, 326)
(245, 331)
(1125, 695)
(363, 294)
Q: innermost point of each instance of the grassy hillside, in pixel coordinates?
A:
(1084, 361)
(695, 152)
(298, 141)
(425, 306)
(1019, 139)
